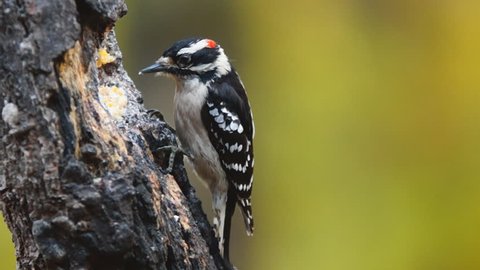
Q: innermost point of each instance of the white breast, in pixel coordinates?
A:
(189, 100)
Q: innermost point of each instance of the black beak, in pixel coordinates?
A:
(161, 65)
(152, 69)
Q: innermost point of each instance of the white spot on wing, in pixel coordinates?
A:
(249, 186)
(233, 126)
(219, 119)
(214, 112)
(253, 124)
(233, 147)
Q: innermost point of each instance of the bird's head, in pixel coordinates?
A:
(194, 57)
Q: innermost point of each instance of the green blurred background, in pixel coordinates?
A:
(368, 125)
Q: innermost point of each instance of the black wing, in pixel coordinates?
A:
(228, 119)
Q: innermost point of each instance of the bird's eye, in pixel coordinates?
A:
(183, 60)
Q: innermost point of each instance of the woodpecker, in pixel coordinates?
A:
(214, 125)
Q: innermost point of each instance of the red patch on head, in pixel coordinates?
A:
(211, 44)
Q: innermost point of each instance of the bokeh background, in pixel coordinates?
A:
(368, 125)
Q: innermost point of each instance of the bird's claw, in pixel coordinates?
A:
(155, 114)
(173, 153)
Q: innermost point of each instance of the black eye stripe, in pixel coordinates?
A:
(204, 56)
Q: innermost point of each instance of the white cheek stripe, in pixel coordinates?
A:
(201, 67)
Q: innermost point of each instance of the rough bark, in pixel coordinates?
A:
(81, 186)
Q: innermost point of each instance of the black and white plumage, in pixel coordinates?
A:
(215, 126)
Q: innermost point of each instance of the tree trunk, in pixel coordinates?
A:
(81, 185)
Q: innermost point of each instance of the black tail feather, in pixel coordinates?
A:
(231, 202)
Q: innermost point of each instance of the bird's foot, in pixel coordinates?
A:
(174, 150)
